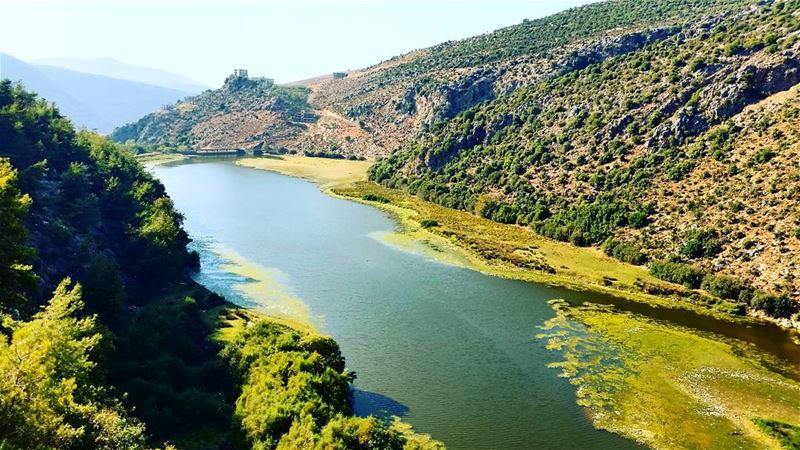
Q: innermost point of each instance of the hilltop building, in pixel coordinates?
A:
(240, 73)
(339, 75)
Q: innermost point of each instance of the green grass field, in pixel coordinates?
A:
(325, 171)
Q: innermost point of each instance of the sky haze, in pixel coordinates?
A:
(287, 41)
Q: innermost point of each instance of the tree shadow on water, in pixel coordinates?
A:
(368, 403)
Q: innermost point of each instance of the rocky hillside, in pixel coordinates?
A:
(376, 110)
(683, 148)
(243, 113)
(397, 100)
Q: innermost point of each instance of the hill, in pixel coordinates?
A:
(92, 101)
(243, 113)
(682, 150)
(661, 131)
(374, 111)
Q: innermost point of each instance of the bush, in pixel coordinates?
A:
(762, 156)
(428, 223)
(637, 219)
(375, 198)
(505, 213)
(624, 251)
(724, 286)
(322, 154)
(780, 306)
(701, 243)
(685, 274)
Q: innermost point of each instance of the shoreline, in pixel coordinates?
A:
(435, 244)
(635, 374)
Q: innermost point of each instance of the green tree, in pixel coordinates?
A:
(48, 394)
(16, 275)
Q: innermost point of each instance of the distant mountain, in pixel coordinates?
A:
(112, 68)
(91, 101)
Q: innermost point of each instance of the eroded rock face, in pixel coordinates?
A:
(447, 101)
(750, 83)
(397, 106)
(727, 92)
(598, 52)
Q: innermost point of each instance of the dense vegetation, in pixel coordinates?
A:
(539, 36)
(73, 206)
(599, 153)
(296, 394)
(120, 356)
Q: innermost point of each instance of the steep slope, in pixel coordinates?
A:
(110, 67)
(682, 149)
(398, 99)
(91, 101)
(373, 111)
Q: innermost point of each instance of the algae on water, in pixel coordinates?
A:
(668, 386)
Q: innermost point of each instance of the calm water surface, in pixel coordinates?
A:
(450, 350)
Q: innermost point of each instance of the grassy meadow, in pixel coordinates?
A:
(325, 171)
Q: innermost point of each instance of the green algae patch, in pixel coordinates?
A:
(666, 386)
(787, 434)
(264, 286)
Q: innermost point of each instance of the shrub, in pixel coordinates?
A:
(701, 243)
(505, 213)
(375, 198)
(780, 306)
(685, 274)
(429, 223)
(624, 251)
(724, 286)
(762, 156)
(637, 219)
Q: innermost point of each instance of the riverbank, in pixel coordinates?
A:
(662, 384)
(508, 251)
(155, 158)
(327, 172)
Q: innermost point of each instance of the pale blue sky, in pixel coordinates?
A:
(284, 40)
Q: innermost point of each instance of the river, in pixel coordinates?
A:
(448, 349)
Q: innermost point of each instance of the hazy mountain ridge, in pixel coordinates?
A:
(91, 101)
(110, 67)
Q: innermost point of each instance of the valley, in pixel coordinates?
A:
(604, 339)
(581, 230)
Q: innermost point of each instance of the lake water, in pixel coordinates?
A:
(450, 350)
